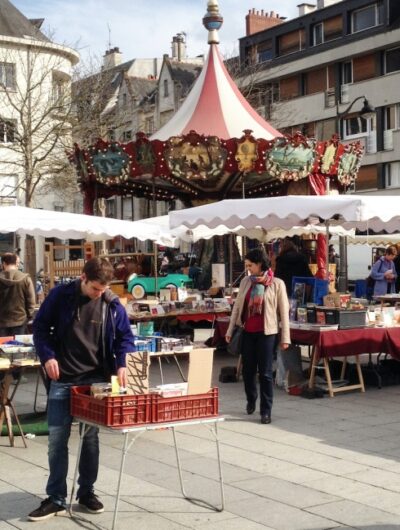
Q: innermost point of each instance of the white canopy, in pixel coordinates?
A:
(376, 240)
(349, 211)
(78, 226)
(63, 225)
(157, 229)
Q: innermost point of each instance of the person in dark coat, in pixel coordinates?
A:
(289, 263)
(17, 297)
(82, 335)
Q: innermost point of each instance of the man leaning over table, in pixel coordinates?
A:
(82, 335)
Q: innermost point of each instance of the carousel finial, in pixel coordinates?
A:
(212, 21)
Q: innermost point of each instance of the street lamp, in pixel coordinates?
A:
(367, 111)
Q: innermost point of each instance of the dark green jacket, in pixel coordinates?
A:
(17, 298)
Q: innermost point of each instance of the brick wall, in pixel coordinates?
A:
(259, 20)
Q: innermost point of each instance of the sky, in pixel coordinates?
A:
(143, 28)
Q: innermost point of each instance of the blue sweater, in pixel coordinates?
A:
(56, 315)
(378, 270)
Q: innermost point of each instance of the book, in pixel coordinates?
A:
(292, 309)
(321, 319)
(23, 362)
(4, 363)
(299, 293)
(302, 314)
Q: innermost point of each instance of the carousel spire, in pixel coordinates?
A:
(212, 21)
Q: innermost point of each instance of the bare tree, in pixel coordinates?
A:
(35, 120)
(35, 124)
(252, 80)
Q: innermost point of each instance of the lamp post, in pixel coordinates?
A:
(367, 111)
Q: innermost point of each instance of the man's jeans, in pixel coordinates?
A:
(59, 420)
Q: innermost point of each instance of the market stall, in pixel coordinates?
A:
(350, 212)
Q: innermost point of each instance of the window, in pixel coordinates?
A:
(8, 186)
(391, 117)
(127, 136)
(347, 73)
(318, 34)
(392, 175)
(264, 51)
(111, 135)
(124, 100)
(291, 42)
(7, 131)
(367, 17)
(392, 60)
(149, 125)
(7, 75)
(166, 88)
(356, 126)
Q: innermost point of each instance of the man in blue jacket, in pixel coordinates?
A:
(82, 335)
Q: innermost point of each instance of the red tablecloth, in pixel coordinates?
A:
(197, 317)
(344, 342)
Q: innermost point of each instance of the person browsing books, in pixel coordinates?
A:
(82, 335)
(384, 273)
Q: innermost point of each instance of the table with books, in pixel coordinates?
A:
(14, 358)
(328, 341)
(145, 409)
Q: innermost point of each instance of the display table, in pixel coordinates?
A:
(137, 431)
(181, 315)
(7, 394)
(343, 343)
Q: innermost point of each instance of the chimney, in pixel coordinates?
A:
(325, 3)
(256, 21)
(112, 57)
(304, 9)
(178, 46)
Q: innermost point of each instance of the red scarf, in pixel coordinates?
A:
(258, 285)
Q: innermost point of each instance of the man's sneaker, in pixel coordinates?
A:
(47, 509)
(91, 502)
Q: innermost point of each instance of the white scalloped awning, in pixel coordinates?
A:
(371, 212)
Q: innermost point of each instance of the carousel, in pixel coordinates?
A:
(217, 147)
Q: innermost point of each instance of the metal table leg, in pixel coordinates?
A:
(83, 429)
(214, 431)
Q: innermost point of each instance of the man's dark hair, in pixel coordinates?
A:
(258, 256)
(99, 270)
(9, 259)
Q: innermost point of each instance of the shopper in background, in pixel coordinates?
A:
(396, 262)
(261, 305)
(17, 297)
(384, 272)
(289, 263)
(82, 335)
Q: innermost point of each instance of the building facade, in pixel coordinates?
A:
(35, 82)
(314, 71)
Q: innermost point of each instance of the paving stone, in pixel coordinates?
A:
(282, 490)
(354, 514)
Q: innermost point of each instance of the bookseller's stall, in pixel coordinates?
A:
(141, 408)
(333, 324)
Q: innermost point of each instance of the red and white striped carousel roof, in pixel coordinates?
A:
(216, 107)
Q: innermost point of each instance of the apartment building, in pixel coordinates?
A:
(314, 71)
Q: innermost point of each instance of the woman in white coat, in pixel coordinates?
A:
(262, 308)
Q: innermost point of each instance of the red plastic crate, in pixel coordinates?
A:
(112, 411)
(166, 409)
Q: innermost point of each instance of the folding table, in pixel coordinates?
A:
(137, 431)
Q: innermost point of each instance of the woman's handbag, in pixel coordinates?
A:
(235, 345)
